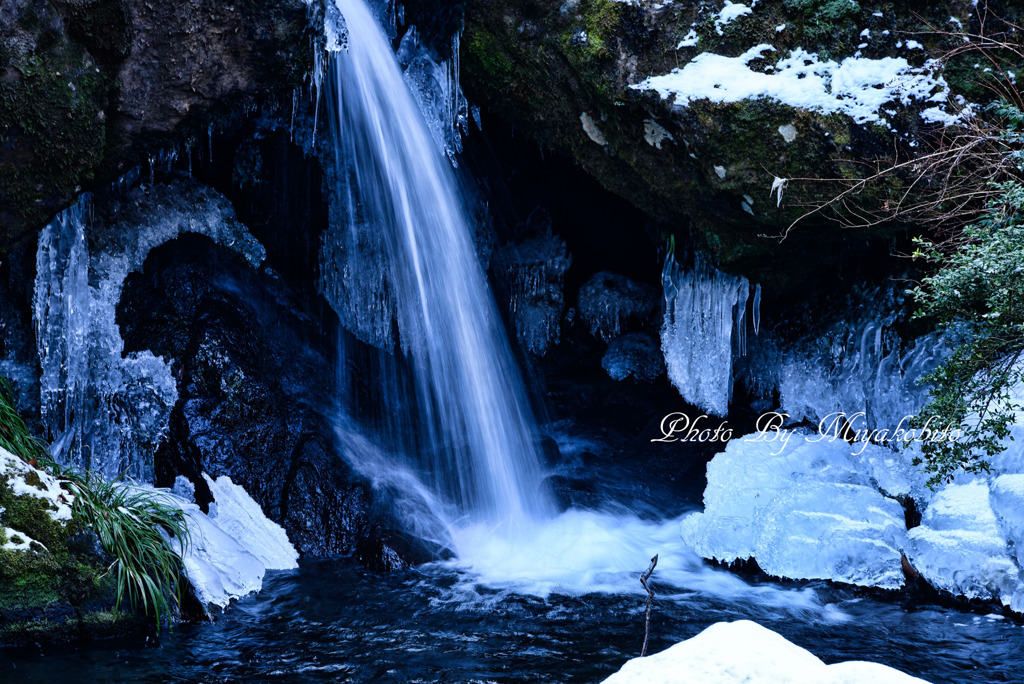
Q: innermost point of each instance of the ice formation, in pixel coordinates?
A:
(231, 549)
(853, 365)
(959, 546)
(857, 86)
(534, 272)
(744, 651)
(102, 409)
(435, 86)
(802, 508)
(704, 325)
(608, 301)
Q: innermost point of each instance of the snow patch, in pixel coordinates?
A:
(15, 471)
(744, 651)
(857, 87)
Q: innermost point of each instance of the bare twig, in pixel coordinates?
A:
(650, 603)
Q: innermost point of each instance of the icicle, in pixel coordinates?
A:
(756, 310)
(703, 326)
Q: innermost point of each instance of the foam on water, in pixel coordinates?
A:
(585, 552)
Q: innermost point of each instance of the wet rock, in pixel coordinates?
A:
(636, 356)
(549, 452)
(255, 394)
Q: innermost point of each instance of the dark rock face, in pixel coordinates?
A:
(255, 389)
(561, 71)
(85, 84)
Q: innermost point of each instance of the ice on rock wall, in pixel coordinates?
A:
(855, 365)
(354, 276)
(533, 270)
(806, 510)
(959, 546)
(434, 85)
(704, 325)
(102, 409)
(608, 301)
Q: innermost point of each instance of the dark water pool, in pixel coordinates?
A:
(329, 622)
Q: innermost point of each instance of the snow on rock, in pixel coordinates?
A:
(804, 509)
(744, 651)
(959, 546)
(857, 86)
(231, 549)
(730, 12)
(24, 480)
(17, 541)
(236, 513)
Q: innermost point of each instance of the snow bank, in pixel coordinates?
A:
(803, 509)
(857, 86)
(233, 547)
(236, 513)
(744, 651)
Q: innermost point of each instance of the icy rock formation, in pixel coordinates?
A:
(230, 550)
(534, 272)
(103, 409)
(774, 502)
(704, 326)
(633, 355)
(608, 301)
(434, 85)
(744, 651)
(959, 546)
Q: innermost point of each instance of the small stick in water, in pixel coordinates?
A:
(650, 603)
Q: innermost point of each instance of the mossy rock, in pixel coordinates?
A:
(542, 64)
(60, 588)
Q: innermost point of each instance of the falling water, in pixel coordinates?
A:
(480, 432)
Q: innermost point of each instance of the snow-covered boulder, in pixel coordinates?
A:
(230, 549)
(744, 651)
(805, 509)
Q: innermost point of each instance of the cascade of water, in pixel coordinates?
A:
(704, 322)
(402, 199)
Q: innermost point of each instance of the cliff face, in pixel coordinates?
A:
(691, 110)
(87, 84)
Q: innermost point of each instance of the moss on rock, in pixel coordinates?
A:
(59, 588)
(540, 64)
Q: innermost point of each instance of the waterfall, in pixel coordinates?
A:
(403, 208)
